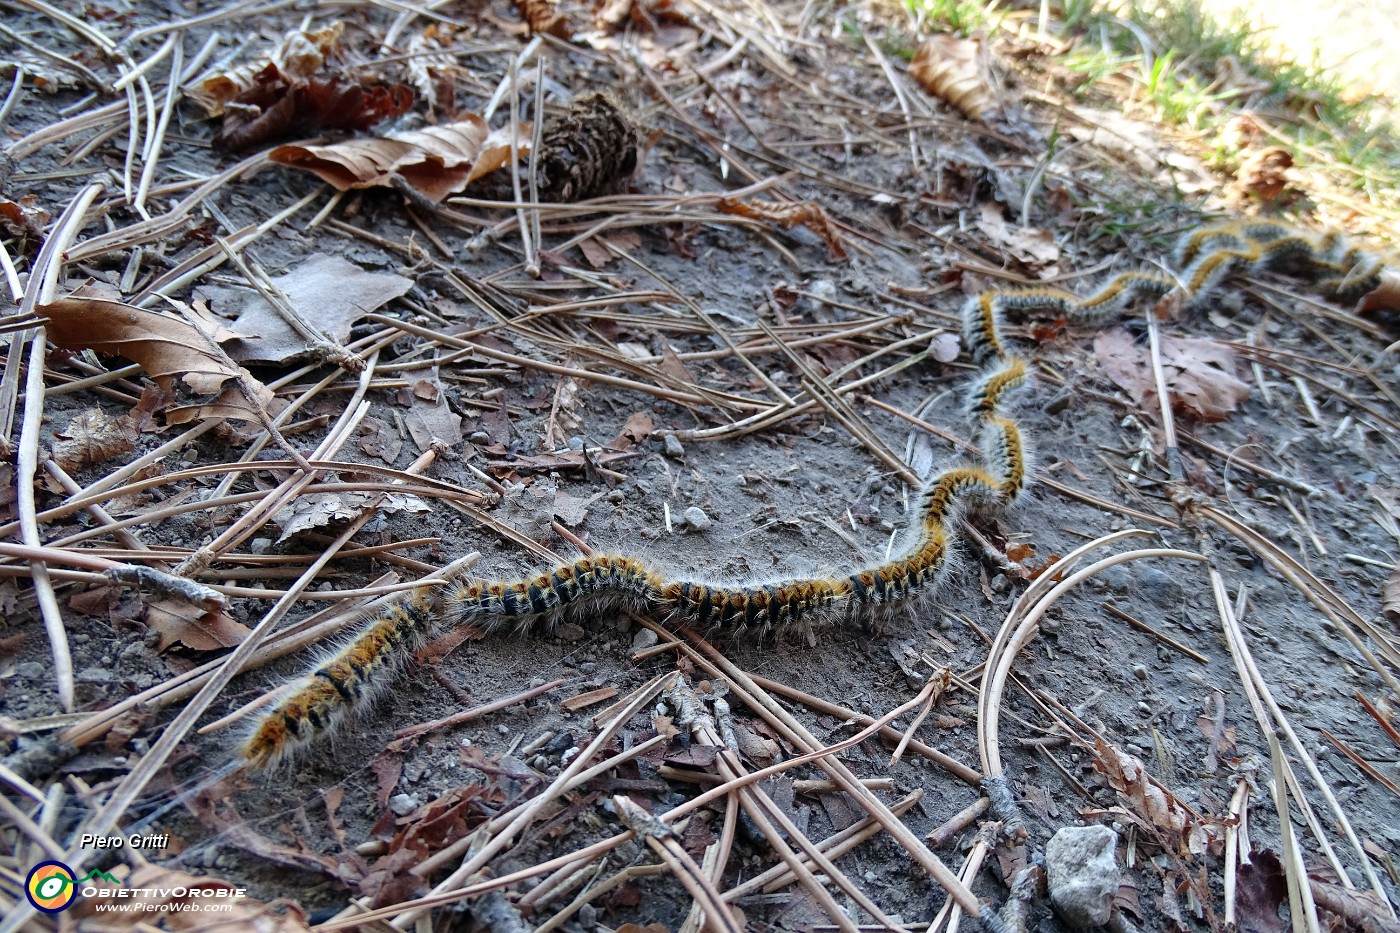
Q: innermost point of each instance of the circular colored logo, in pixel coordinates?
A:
(50, 887)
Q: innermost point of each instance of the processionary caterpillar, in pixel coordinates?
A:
(594, 586)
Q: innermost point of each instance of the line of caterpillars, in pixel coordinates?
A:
(602, 584)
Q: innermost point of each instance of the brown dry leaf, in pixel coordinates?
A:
(183, 902)
(646, 15)
(573, 460)
(167, 346)
(1147, 798)
(329, 508)
(1264, 174)
(1031, 245)
(955, 71)
(213, 806)
(24, 217)
(1391, 599)
(435, 161)
(1199, 374)
(1385, 296)
(275, 108)
(329, 292)
(543, 18)
(299, 55)
(808, 214)
(93, 437)
(197, 629)
(638, 428)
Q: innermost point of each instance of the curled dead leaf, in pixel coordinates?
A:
(275, 107)
(435, 161)
(1264, 174)
(23, 217)
(300, 54)
(168, 346)
(1385, 296)
(196, 628)
(955, 71)
(543, 18)
(807, 214)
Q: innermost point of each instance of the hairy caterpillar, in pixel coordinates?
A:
(599, 584)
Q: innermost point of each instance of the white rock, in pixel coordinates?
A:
(1082, 872)
(696, 518)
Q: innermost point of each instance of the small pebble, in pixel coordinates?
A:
(480, 437)
(1159, 586)
(33, 670)
(617, 497)
(94, 675)
(587, 667)
(643, 640)
(570, 631)
(672, 446)
(1000, 584)
(1144, 708)
(403, 804)
(696, 518)
(1140, 672)
(576, 443)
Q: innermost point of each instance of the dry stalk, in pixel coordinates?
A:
(662, 840)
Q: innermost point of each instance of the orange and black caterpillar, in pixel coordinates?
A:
(601, 584)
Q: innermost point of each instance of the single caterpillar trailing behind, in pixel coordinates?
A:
(602, 584)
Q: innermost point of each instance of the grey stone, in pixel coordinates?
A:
(1082, 872)
(696, 518)
(403, 804)
(30, 670)
(643, 640)
(1159, 586)
(94, 675)
(672, 445)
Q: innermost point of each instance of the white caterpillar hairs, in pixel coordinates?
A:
(602, 584)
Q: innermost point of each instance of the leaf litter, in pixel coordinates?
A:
(764, 212)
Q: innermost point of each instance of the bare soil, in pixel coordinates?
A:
(804, 109)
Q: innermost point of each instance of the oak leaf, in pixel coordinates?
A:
(435, 161)
(168, 346)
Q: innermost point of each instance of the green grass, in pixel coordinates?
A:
(1200, 72)
(1176, 56)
